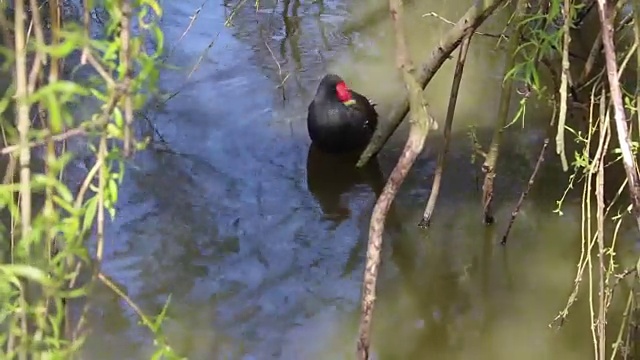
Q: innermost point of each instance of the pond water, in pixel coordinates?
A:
(262, 247)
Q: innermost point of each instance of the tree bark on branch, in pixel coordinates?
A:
(490, 164)
(628, 160)
(471, 20)
(421, 122)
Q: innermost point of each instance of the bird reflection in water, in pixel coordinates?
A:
(330, 176)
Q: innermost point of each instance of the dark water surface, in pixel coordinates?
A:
(262, 247)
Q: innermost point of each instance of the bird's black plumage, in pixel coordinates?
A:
(338, 126)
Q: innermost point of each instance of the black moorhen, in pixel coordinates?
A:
(340, 120)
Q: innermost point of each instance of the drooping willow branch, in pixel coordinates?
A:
(125, 56)
(83, 129)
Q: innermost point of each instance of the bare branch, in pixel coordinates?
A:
(420, 125)
(471, 20)
(24, 124)
(125, 58)
(453, 98)
(618, 105)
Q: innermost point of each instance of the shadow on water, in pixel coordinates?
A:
(260, 240)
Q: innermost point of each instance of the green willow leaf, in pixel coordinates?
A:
(118, 118)
(114, 131)
(27, 272)
(62, 49)
(64, 88)
(55, 116)
(154, 5)
(91, 208)
(113, 190)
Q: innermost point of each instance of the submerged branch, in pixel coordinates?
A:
(536, 169)
(471, 20)
(491, 160)
(455, 86)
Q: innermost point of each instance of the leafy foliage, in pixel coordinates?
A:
(48, 224)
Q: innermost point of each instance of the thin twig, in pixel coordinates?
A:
(453, 98)
(447, 21)
(118, 91)
(145, 319)
(100, 69)
(102, 154)
(86, 25)
(192, 20)
(59, 137)
(202, 56)
(154, 128)
(603, 145)
(282, 79)
(596, 48)
(87, 182)
(125, 58)
(81, 130)
(531, 181)
(40, 58)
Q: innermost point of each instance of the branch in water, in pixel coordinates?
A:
(471, 20)
(420, 120)
(453, 98)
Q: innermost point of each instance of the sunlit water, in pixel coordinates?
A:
(261, 265)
